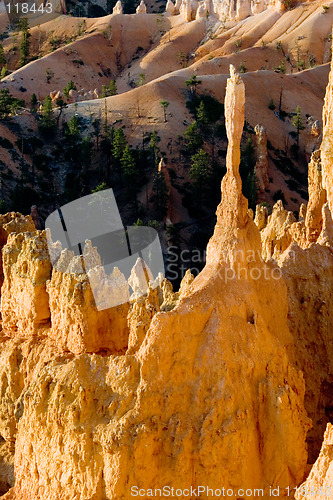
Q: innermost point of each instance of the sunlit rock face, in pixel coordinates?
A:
(207, 391)
(212, 385)
(326, 148)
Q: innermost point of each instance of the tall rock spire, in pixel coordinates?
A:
(234, 120)
(235, 232)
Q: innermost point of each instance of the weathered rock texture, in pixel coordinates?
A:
(313, 135)
(170, 8)
(208, 392)
(327, 143)
(77, 325)
(303, 251)
(320, 481)
(141, 9)
(27, 267)
(118, 8)
(276, 236)
(21, 361)
(212, 385)
(317, 199)
(308, 274)
(224, 9)
(12, 223)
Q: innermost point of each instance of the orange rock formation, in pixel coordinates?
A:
(214, 385)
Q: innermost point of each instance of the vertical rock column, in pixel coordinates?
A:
(234, 227)
(317, 198)
(327, 143)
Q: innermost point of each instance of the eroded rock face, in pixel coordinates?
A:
(281, 230)
(213, 381)
(320, 481)
(141, 8)
(118, 8)
(308, 274)
(186, 10)
(141, 313)
(20, 362)
(261, 216)
(313, 135)
(170, 8)
(27, 267)
(13, 223)
(218, 380)
(77, 325)
(326, 148)
(317, 199)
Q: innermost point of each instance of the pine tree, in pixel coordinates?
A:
(141, 80)
(73, 129)
(4, 72)
(154, 149)
(97, 130)
(193, 82)
(8, 103)
(193, 139)
(34, 103)
(199, 168)
(119, 143)
(70, 86)
(109, 90)
(61, 105)
(164, 105)
(202, 117)
(298, 123)
(100, 187)
(25, 41)
(3, 61)
(47, 121)
(128, 167)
